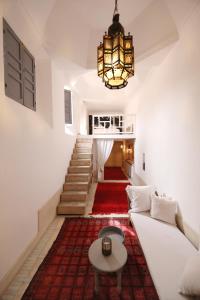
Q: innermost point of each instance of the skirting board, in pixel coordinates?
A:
(48, 212)
(46, 215)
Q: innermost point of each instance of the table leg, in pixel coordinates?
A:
(96, 282)
(119, 280)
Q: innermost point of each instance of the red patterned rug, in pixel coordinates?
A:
(66, 272)
(110, 198)
(114, 173)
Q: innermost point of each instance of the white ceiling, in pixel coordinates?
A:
(70, 31)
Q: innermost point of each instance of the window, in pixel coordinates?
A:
(68, 107)
(19, 69)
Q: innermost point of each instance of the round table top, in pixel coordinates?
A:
(111, 263)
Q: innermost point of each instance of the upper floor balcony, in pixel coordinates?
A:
(116, 126)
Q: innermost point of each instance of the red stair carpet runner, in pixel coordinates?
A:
(114, 173)
(66, 272)
(110, 198)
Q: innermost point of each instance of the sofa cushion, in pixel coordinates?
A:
(163, 208)
(140, 197)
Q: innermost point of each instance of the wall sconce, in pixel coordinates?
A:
(129, 150)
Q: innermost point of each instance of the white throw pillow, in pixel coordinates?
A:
(190, 279)
(163, 208)
(140, 197)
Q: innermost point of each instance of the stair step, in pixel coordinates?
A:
(82, 150)
(76, 186)
(79, 169)
(80, 162)
(71, 208)
(77, 177)
(82, 156)
(84, 140)
(73, 196)
(83, 145)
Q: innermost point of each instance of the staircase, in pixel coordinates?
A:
(73, 199)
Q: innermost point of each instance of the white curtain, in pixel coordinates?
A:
(104, 148)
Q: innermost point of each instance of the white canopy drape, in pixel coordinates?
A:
(104, 148)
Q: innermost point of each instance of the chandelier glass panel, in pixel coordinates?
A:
(115, 56)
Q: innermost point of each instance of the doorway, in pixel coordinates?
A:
(116, 167)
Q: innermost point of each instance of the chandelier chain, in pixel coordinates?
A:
(116, 8)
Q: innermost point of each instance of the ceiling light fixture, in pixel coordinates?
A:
(115, 56)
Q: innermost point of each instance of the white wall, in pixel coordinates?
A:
(83, 117)
(34, 149)
(168, 124)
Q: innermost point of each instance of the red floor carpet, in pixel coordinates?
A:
(114, 173)
(110, 198)
(66, 273)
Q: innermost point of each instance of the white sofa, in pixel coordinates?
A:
(166, 250)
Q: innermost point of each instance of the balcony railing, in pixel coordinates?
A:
(109, 124)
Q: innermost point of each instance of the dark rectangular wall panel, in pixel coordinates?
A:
(90, 123)
(19, 69)
(68, 107)
(12, 64)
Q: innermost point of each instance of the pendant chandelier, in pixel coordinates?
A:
(115, 56)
